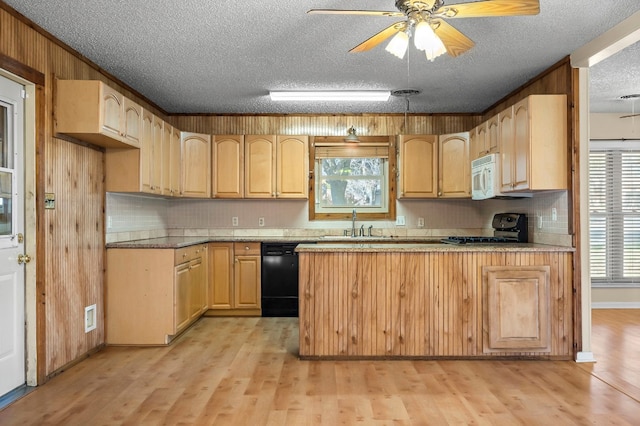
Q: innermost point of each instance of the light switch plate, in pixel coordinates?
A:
(400, 220)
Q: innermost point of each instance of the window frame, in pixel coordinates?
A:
(391, 179)
(612, 199)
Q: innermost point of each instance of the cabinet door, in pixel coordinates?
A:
(166, 159)
(507, 147)
(292, 167)
(197, 295)
(156, 154)
(260, 173)
(175, 167)
(112, 109)
(418, 164)
(146, 152)
(517, 309)
(247, 282)
(521, 138)
(492, 137)
(132, 131)
(227, 166)
(476, 142)
(221, 275)
(454, 168)
(182, 295)
(196, 157)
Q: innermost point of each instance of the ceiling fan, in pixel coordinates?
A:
(425, 20)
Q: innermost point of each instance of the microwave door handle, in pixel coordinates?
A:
(483, 180)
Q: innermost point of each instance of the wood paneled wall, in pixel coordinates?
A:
(326, 125)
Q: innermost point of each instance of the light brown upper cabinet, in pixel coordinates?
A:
(276, 166)
(227, 166)
(433, 166)
(196, 165)
(91, 111)
(292, 166)
(533, 142)
(454, 170)
(175, 166)
(418, 166)
(483, 139)
(137, 170)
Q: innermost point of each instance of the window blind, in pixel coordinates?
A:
(614, 210)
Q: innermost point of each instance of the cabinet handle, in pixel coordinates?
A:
(246, 247)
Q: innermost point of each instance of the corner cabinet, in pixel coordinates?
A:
(533, 143)
(152, 295)
(276, 166)
(91, 111)
(139, 170)
(234, 282)
(433, 166)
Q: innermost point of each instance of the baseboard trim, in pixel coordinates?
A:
(615, 305)
(585, 357)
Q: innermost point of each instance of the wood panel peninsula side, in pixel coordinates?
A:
(435, 300)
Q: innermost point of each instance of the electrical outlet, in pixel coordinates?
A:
(539, 217)
(261, 221)
(109, 222)
(234, 221)
(421, 222)
(400, 220)
(554, 214)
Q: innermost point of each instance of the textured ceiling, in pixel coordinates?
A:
(199, 56)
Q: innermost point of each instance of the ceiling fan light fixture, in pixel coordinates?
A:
(435, 50)
(423, 36)
(330, 95)
(398, 44)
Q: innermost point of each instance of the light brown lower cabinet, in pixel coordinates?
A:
(154, 294)
(234, 282)
(433, 304)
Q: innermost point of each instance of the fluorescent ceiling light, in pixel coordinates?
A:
(331, 95)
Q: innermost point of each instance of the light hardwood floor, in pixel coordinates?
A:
(237, 371)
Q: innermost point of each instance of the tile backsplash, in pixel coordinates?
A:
(135, 217)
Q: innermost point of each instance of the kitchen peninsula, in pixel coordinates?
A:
(435, 300)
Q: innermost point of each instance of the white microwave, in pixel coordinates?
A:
(485, 177)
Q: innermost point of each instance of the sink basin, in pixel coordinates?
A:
(349, 238)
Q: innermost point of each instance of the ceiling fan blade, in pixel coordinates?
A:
(454, 41)
(491, 8)
(375, 40)
(354, 12)
(630, 115)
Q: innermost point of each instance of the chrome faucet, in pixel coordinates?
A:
(353, 223)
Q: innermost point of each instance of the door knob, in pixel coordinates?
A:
(23, 258)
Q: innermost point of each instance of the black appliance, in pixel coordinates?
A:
(279, 281)
(507, 228)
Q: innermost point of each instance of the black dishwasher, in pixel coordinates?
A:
(279, 280)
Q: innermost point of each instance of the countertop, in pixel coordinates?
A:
(428, 247)
(337, 244)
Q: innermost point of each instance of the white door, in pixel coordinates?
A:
(12, 283)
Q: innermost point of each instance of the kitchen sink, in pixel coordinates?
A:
(349, 238)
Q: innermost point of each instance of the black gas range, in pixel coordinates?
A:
(507, 228)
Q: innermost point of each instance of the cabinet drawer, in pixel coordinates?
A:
(186, 254)
(241, 249)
